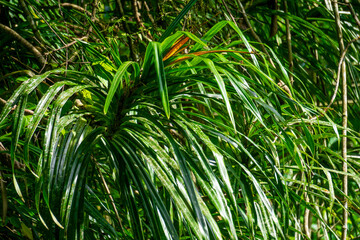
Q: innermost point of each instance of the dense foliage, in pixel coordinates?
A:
(177, 119)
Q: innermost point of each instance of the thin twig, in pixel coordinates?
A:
(76, 7)
(27, 72)
(109, 194)
(274, 16)
(93, 13)
(341, 61)
(353, 13)
(71, 59)
(5, 159)
(307, 223)
(228, 10)
(336, 87)
(314, 74)
(26, 66)
(26, 112)
(67, 31)
(67, 45)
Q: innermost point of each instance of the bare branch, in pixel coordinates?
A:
(26, 112)
(149, 14)
(24, 42)
(76, 7)
(67, 45)
(274, 24)
(307, 218)
(109, 194)
(48, 24)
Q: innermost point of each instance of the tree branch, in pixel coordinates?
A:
(67, 45)
(26, 112)
(149, 14)
(24, 42)
(76, 7)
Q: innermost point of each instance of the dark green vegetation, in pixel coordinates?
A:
(179, 120)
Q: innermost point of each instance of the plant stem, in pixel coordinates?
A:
(344, 121)
(109, 194)
(307, 222)
(4, 198)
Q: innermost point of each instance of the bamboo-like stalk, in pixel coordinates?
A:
(307, 221)
(77, 8)
(344, 122)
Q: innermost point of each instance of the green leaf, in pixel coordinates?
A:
(118, 80)
(222, 88)
(25, 89)
(177, 20)
(161, 79)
